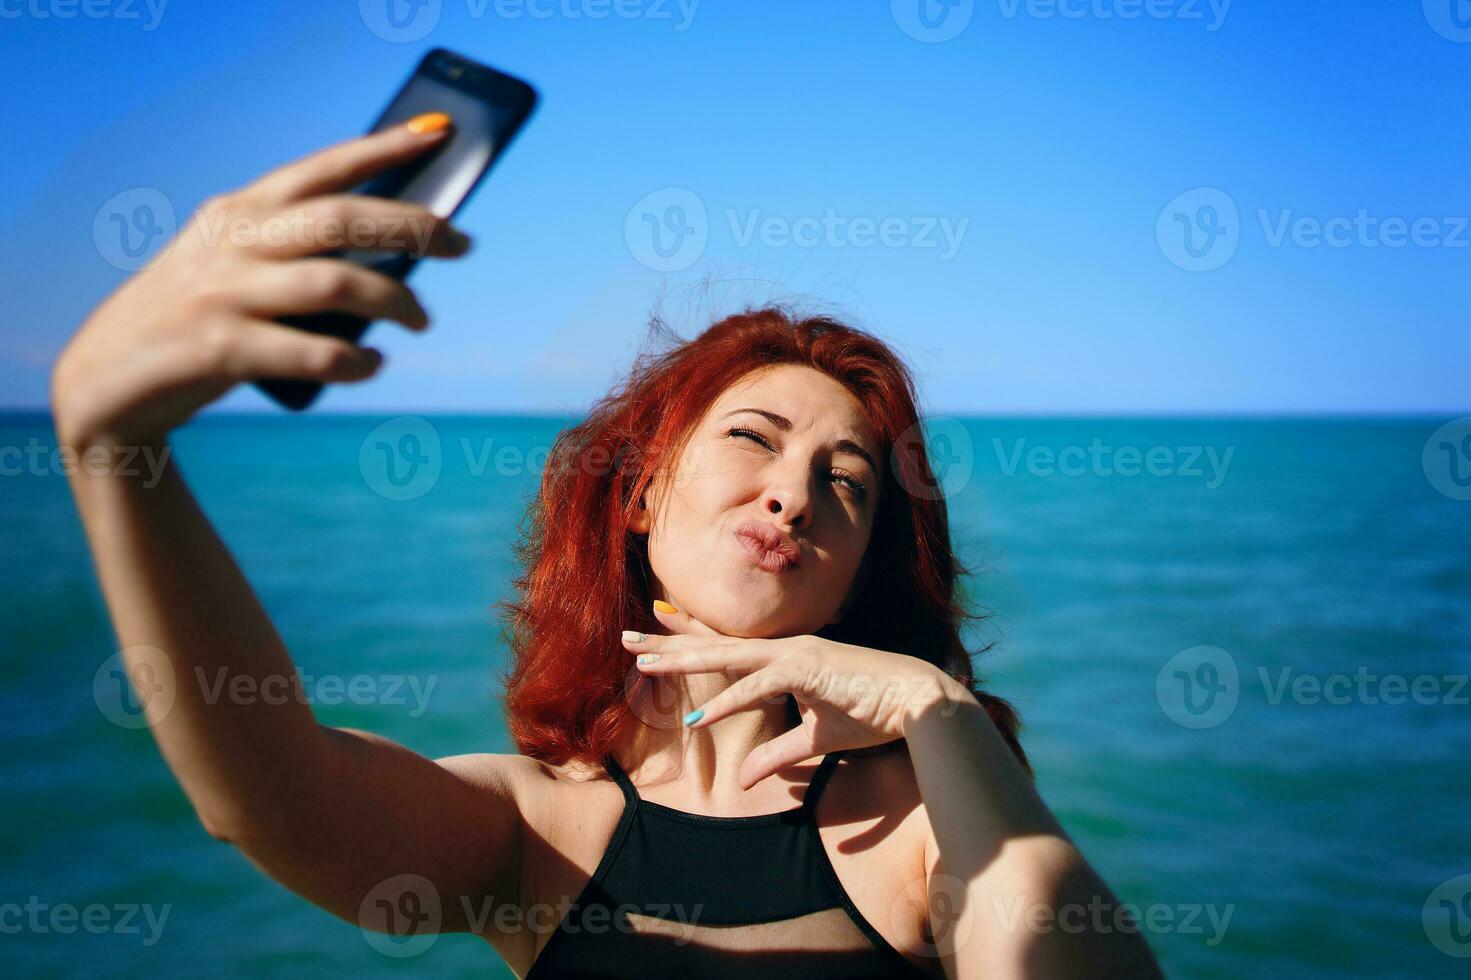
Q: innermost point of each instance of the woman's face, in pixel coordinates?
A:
(801, 471)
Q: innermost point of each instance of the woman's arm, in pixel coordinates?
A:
(1010, 895)
(330, 813)
(333, 814)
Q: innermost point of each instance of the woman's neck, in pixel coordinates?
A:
(699, 768)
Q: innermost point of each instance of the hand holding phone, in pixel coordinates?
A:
(199, 318)
(488, 108)
(205, 314)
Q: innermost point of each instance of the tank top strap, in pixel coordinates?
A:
(611, 766)
(819, 780)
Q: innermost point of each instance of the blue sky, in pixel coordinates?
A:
(1035, 166)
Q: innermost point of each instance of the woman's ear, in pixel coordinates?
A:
(639, 523)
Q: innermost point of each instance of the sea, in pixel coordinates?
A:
(1239, 647)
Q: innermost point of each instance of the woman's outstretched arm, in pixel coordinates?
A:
(330, 813)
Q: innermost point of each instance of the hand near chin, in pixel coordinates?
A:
(849, 696)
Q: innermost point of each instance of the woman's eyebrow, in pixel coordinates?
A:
(785, 424)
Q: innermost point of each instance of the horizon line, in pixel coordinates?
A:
(1141, 414)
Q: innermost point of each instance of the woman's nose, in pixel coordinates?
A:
(791, 500)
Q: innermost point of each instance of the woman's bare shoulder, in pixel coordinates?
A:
(539, 788)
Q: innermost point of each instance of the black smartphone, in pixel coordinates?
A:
(488, 108)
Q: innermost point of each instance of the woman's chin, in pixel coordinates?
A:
(741, 620)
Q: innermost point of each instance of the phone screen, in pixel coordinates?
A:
(441, 180)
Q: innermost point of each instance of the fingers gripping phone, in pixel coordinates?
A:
(487, 108)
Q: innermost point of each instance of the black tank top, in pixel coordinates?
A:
(681, 894)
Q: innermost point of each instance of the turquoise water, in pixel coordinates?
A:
(1319, 825)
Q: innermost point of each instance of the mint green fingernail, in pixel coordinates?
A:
(647, 658)
(694, 716)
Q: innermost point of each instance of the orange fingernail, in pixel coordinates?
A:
(664, 607)
(429, 122)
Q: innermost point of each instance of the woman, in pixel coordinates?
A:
(781, 767)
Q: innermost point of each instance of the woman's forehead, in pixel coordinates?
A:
(801, 394)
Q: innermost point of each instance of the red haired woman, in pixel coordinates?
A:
(750, 742)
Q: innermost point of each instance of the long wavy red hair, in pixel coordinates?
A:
(583, 576)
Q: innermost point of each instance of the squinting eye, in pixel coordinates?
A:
(852, 481)
(855, 484)
(749, 434)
